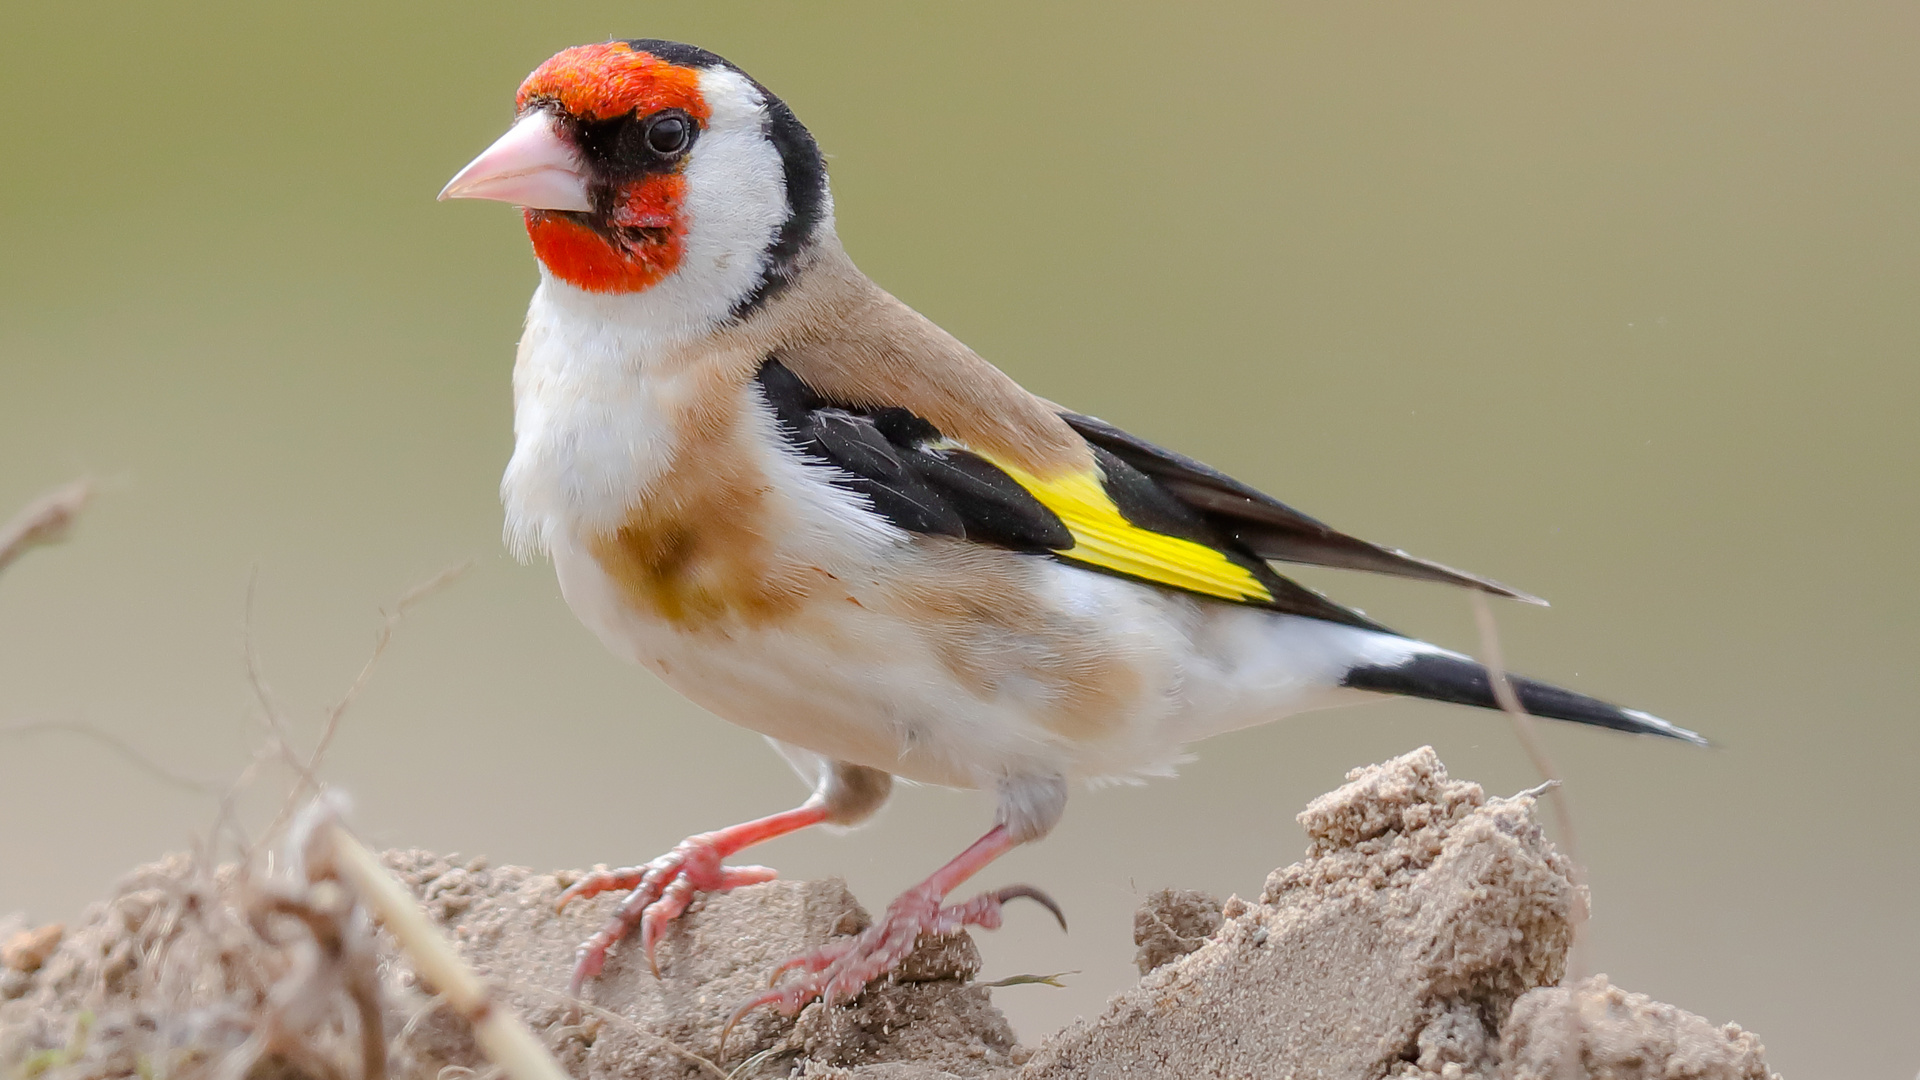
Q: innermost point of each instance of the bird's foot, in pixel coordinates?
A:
(660, 891)
(839, 970)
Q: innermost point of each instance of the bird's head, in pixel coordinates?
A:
(651, 165)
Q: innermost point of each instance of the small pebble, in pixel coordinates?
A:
(28, 949)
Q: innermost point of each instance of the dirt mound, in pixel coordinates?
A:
(1615, 1035)
(1422, 936)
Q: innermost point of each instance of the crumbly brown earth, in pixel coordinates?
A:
(1620, 1036)
(1422, 936)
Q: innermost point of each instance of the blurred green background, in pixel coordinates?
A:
(1614, 302)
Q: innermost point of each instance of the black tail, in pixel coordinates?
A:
(1439, 676)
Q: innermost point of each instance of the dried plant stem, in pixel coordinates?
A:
(507, 1041)
(1573, 1024)
(324, 909)
(1523, 727)
(306, 771)
(587, 1008)
(45, 520)
(1529, 736)
(115, 743)
(390, 620)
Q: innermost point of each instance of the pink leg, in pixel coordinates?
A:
(839, 971)
(663, 888)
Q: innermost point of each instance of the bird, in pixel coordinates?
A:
(816, 514)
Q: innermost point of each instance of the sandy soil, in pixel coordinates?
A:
(1424, 935)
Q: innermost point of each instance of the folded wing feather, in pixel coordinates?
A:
(1138, 512)
(1264, 525)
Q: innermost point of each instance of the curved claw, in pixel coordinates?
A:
(661, 891)
(591, 956)
(773, 979)
(587, 962)
(772, 997)
(1014, 892)
(841, 969)
(599, 881)
(818, 960)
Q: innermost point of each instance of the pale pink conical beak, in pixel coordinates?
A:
(531, 166)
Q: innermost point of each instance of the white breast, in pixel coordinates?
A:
(858, 677)
(589, 386)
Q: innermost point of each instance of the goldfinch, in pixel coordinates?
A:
(816, 514)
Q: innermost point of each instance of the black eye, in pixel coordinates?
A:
(628, 146)
(668, 134)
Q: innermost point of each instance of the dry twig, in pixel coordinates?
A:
(390, 620)
(306, 779)
(1573, 1025)
(610, 1017)
(1523, 727)
(115, 743)
(505, 1038)
(293, 928)
(46, 520)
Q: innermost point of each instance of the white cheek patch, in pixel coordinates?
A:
(736, 199)
(734, 208)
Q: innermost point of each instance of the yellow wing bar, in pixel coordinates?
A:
(1103, 537)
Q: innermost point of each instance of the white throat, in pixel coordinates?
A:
(587, 428)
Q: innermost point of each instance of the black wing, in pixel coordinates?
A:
(895, 459)
(1264, 525)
